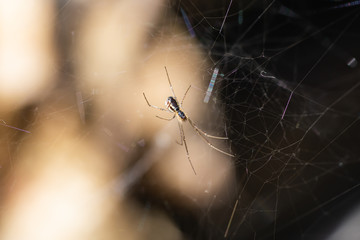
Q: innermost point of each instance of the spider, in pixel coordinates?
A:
(173, 106)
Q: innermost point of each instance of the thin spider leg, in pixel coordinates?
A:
(185, 95)
(207, 141)
(186, 148)
(171, 87)
(181, 139)
(204, 133)
(153, 106)
(167, 119)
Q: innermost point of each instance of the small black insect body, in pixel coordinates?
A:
(173, 106)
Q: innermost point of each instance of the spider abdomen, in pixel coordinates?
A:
(181, 115)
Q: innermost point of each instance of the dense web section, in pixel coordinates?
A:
(287, 74)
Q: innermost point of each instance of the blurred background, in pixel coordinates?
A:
(82, 155)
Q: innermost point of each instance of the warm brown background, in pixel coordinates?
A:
(73, 76)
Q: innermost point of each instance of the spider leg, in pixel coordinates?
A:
(185, 95)
(207, 141)
(167, 119)
(153, 106)
(183, 140)
(171, 87)
(204, 133)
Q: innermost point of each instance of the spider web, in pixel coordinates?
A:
(279, 79)
(291, 96)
